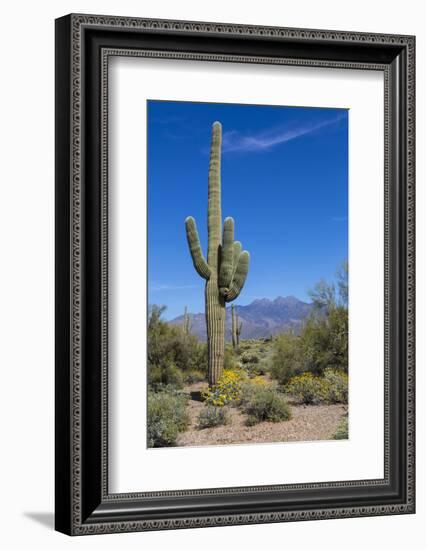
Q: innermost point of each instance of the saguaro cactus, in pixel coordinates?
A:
(233, 328)
(186, 325)
(239, 329)
(226, 267)
(236, 328)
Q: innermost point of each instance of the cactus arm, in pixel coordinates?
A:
(198, 259)
(239, 276)
(236, 257)
(227, 255)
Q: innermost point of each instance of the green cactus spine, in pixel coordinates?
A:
(236, 327)
(226, 267)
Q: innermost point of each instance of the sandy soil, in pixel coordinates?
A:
(308, 423)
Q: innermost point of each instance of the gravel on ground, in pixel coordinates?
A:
(308, 423)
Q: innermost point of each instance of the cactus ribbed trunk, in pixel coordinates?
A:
(215, 304)
(226, 267)
(215, 321)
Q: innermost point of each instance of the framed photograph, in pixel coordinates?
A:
(234, 274)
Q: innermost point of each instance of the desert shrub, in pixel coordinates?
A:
(287, 358)
(230, 361)
(199, 360)
(324, 336)
(244, 345)
(165, 375)
(322, 344)
(263, 403)
(310, 389)
(342, 431)
(211, 417)
(249, 357)
(171, 353)
(307, 389)
(336, 386)
(258, 381)
(167, 416)
(256, 369)
(324, 340)
(227, 390)
(193, 376)
(262, 368)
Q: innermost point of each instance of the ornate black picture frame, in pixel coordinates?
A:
(84, 44)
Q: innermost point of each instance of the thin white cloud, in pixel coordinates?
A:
(160, 287)
(235, 141)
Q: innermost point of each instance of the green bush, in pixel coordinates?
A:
(230, 361)
(287, 359)
(337, 386)
(171, 353)
(165, 375)
(310, 389)
(307, 389)
(211, 417)
(256, 369)
(324, 340)
(322, 344)
(263, 403)
(249, 357)
(342, 429)
(193, 376)
(167, 416)
(198, 356)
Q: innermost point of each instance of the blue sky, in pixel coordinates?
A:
(284, 181)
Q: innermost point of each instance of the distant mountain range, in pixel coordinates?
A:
(261, 319)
